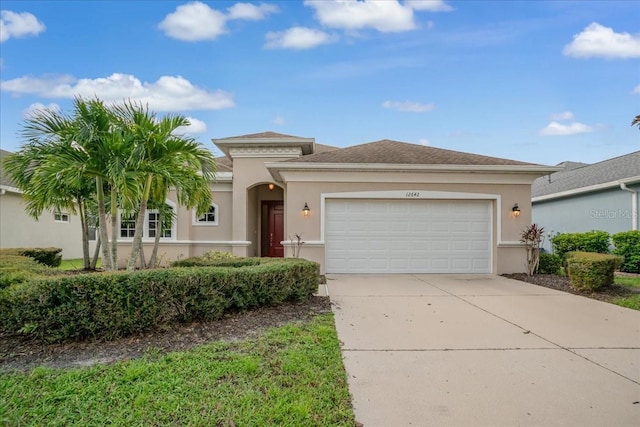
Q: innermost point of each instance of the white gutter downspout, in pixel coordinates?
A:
(634, 205)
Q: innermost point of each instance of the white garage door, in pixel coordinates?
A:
(408, 236)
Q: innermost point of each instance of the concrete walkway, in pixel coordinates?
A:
(455, 350)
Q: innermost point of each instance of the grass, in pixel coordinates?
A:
(75, 264)
(289, 376)
(630, 282)
(632, 301)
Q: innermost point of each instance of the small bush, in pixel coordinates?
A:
(627, 245)
(591, 271)
(591, 241)
(114, 304)
(549, 264)
(47, 256)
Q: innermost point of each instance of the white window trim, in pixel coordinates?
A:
(145, 230)
(61, 220)
(196, 223)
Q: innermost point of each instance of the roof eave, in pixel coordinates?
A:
(588, 189)
(276, 167)
(224, 144)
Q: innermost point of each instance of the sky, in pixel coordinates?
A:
(536, 81)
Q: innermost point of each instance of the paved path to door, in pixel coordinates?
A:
(450, 350)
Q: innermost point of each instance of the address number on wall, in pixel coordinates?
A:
(412, 194)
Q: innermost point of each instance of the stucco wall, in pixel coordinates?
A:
(609, 210)
(17, 229)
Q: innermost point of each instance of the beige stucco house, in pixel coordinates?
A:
(51, 229)
(382, 207)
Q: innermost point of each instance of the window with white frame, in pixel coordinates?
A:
(151, 224)
(60, 216)
(208, 218)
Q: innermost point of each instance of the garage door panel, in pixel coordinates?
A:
(404, 236)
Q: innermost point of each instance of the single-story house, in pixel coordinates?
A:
(19, 230)
(381, 207)
(579, 198)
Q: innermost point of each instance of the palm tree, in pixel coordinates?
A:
(164, 160)
(636, 121)
(35, 169)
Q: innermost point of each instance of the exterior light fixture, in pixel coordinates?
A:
(271, 186)
(306, 209)
(515, 210)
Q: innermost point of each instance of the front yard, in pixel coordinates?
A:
(624, 292)
(292, 375)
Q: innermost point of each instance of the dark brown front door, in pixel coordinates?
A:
(275, 229)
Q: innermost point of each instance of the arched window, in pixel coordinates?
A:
(208, 218)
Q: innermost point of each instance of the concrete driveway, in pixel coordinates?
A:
(456, 350)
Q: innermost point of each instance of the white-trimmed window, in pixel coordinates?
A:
(61, 216)
(151, 225)
(208, 218)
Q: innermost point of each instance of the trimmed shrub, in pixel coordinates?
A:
(591, 241)
(590, 271)
(15, 269)
(549, 264)
(114, 304)
(627, 245)
(47, 256)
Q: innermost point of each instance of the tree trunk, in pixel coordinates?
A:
(96, 252)
(85, 233)
(136, 246)
(156, 241)
(107, 263)
(114, 229)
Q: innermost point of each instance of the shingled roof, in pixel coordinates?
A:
(5, 180)
(395, 152)
(263, 135)
(607, 171)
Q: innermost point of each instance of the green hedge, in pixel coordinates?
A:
(110, 305)
(590, 271)
(627, 245)
(15, 269)
(549, 264)
(47, 256)
(591, 241)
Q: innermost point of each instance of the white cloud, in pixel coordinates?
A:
(559, 129)
(168, 93)
(429, 5)
(384, 16)
(297, 38)
(17, 25)
(193, 22)
(279, 120)
(565, 115)
(424, 141)
(250, 11)
(407, 106)
(600, 41)
(637, 90)
(33, 108)
(195, 126)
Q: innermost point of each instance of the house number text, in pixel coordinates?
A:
(412, 194)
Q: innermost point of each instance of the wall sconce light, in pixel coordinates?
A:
(306, 209)
(515, 210)
(271, 186)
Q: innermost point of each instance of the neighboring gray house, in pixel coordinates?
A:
(601, 196)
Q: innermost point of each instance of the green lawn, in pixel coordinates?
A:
(631, 282)
(632, 301)
(75, 264)
(289, 376)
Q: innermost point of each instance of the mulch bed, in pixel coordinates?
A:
(561, 283)
(20, 353)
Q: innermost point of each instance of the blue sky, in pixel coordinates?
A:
(539, 81)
